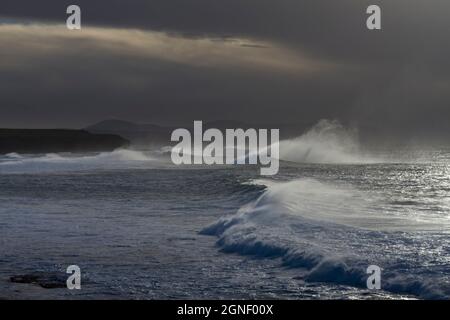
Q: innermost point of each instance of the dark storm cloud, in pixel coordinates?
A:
(145, 75)
(325, 27)
(399, 77)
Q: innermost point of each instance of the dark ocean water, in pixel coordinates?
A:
(140, 228)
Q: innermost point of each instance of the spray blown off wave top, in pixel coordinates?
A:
(122, 158)
(333, 233)
(327, 142)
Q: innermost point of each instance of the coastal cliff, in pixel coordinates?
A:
(57, 140)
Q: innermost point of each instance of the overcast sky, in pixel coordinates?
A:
(173, 61)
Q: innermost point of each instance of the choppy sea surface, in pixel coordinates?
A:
(140, 228)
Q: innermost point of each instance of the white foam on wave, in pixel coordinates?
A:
(327, 142)
(332, 233)
(121, 158)
(368, 210)
(13, 155)
(345, 205)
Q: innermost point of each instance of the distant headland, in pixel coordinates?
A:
(57, 140)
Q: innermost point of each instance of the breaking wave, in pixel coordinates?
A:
(52, 162)
(331, 235)
(327, 142)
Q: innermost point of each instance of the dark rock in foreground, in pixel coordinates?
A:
(47, 281)
(55, 140)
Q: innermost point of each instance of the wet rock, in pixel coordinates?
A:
(45, 280)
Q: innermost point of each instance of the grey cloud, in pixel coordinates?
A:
(398, 77)
(54, 76)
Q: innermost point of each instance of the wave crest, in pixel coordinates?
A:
(121, 158)
(327, 142)
(301, 222)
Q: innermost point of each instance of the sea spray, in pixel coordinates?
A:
(331, 234)
(326, 142)
(52, 162)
